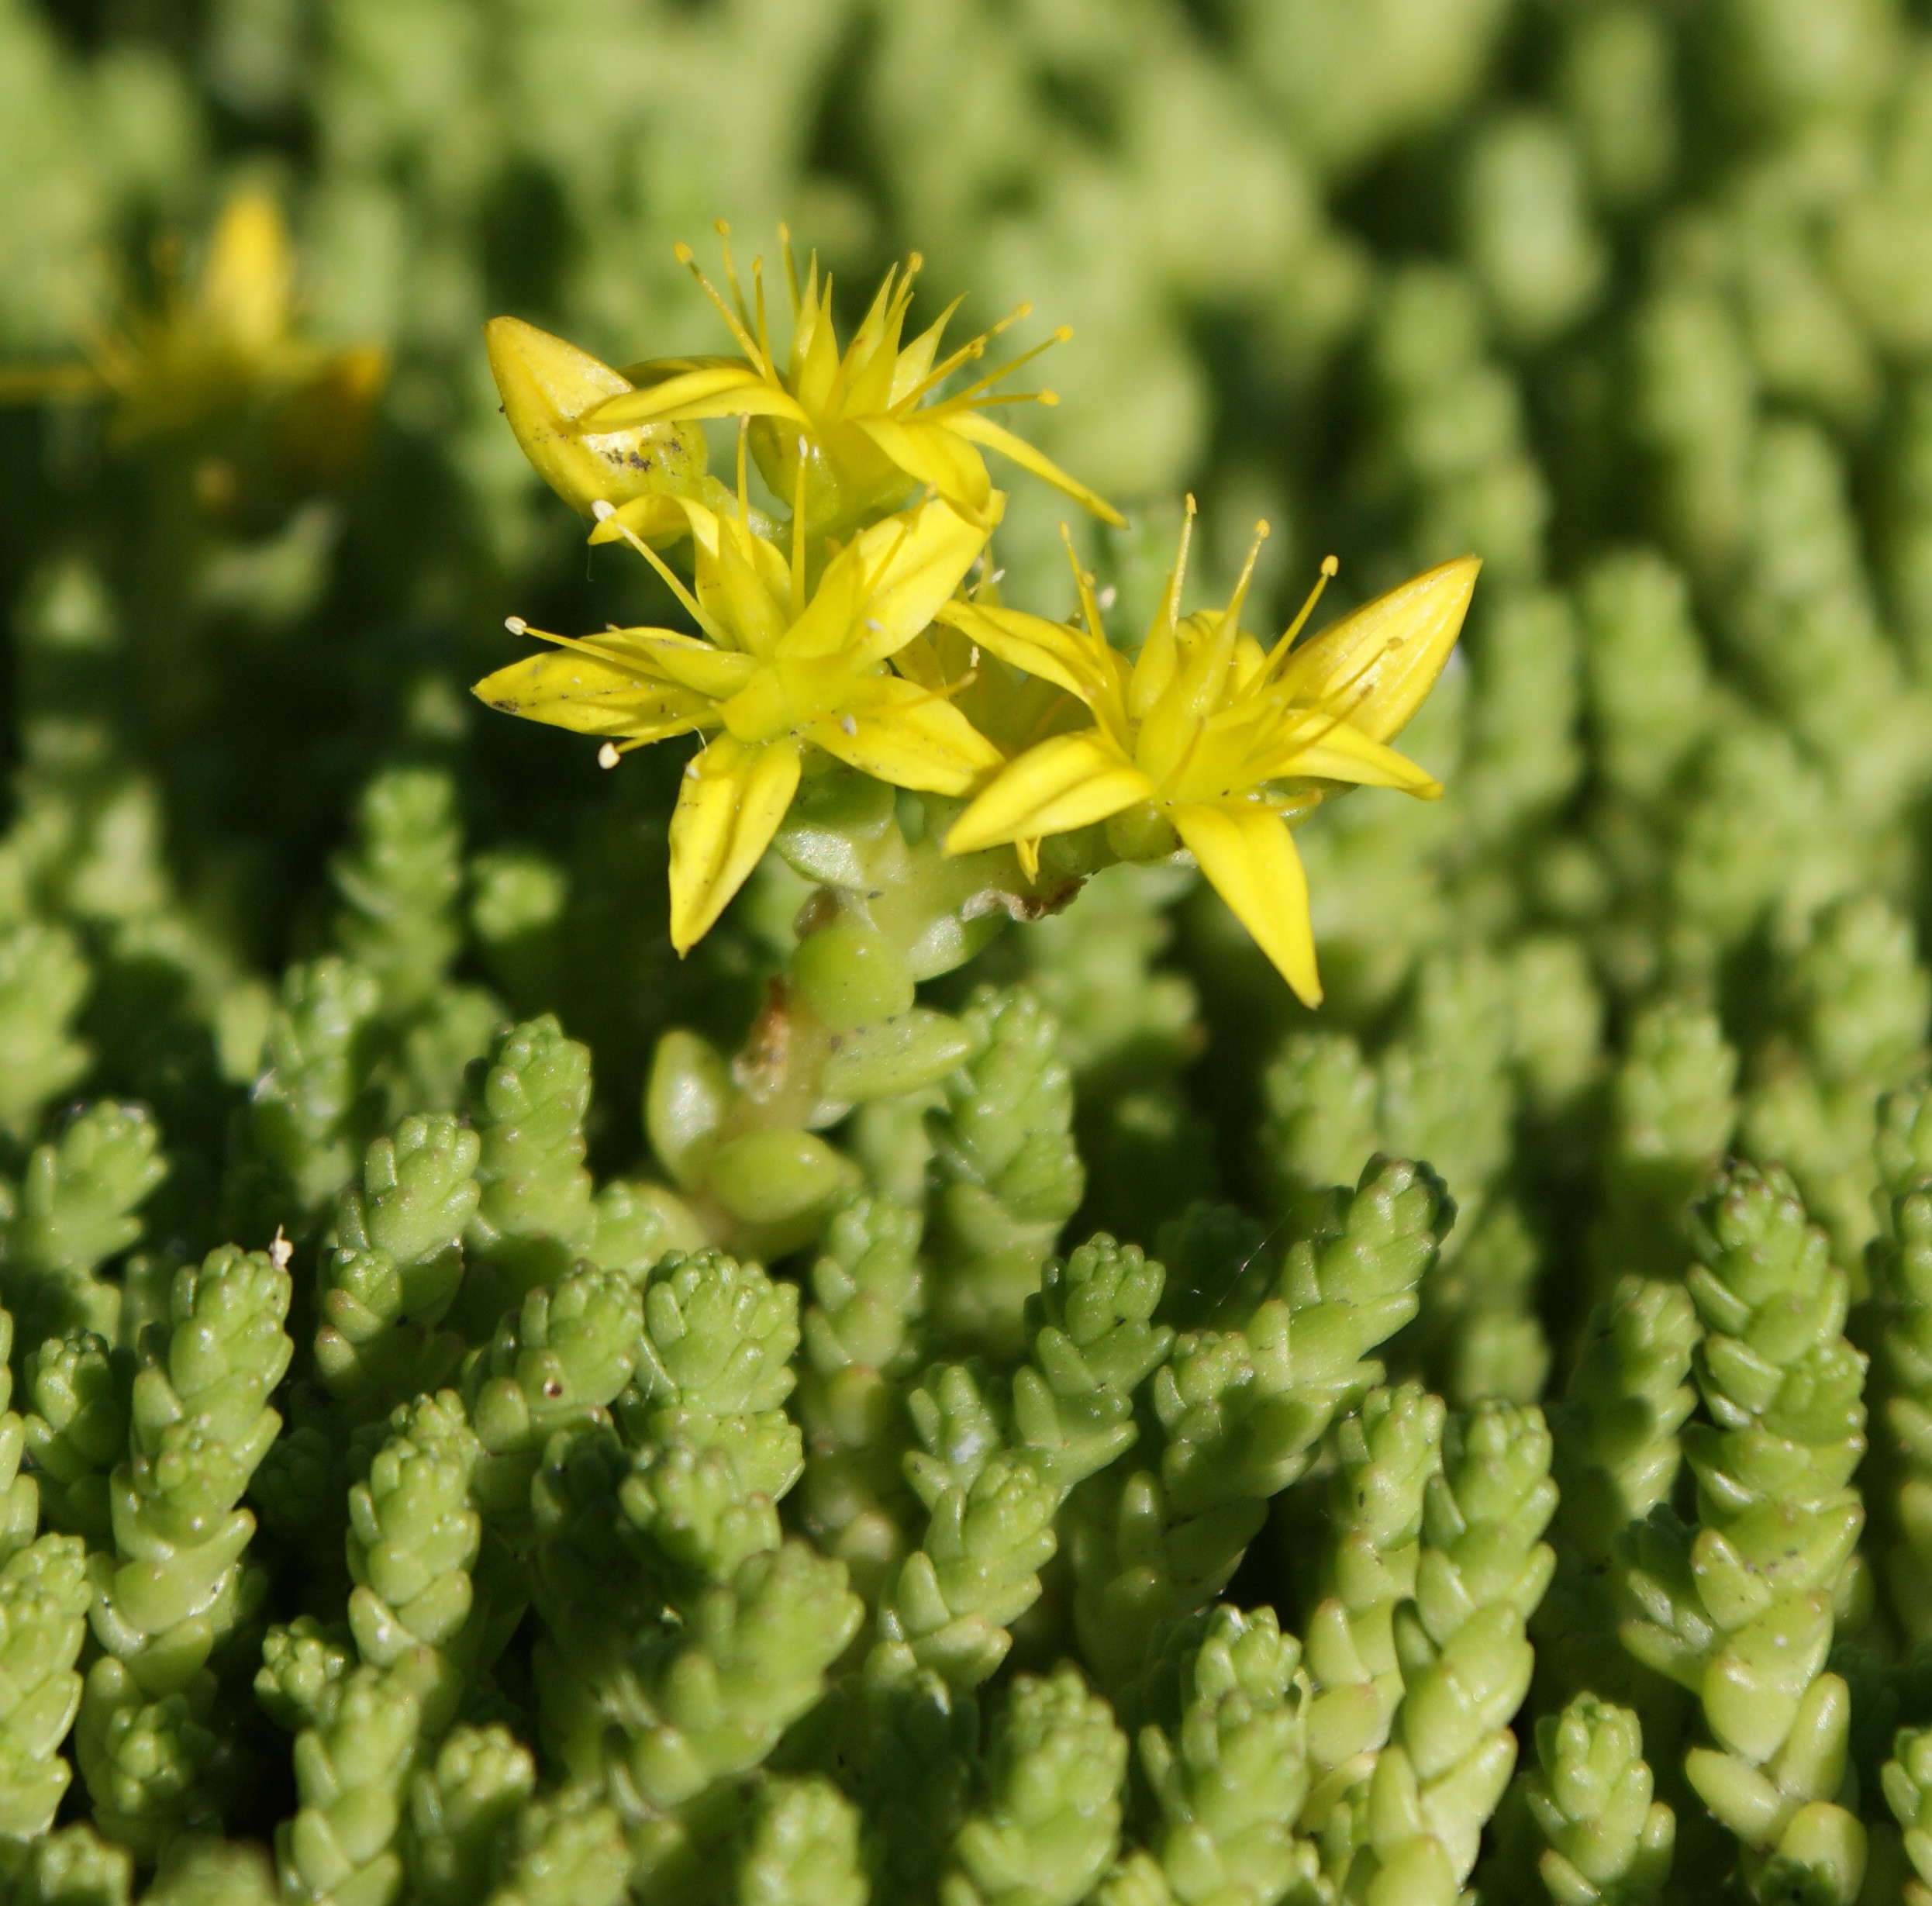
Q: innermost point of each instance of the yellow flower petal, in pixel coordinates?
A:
(650, 519)
(1338, 750)
(1055, 651)
(1070, 781)
(686, 659)
(1377, 665)
(247, 283)
(934, 454)
(725, 388)
(815, 348)
(898, 732)
(745, 587)
(976, 427)
(590, 694)
(886, 585)
(1249, 857)
(730, 804)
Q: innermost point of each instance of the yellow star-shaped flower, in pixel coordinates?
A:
(1206, 737)
(847, 433)
(776, 672)
(201, 355)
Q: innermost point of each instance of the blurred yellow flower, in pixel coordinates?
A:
(777, 670)
(1206, 737)
(844, 434)
(199, 357)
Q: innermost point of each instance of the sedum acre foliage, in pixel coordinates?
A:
(885, 1254)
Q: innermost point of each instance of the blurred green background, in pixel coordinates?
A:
(1631, 298)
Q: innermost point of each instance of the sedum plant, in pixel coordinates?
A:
(819, 1317)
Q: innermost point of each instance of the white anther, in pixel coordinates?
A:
(280, 1250)
(847, 725)
(516, 625)
(607, 755)
(1108, 596)
(603, 510)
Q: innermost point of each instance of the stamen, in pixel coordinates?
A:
(975, 347)
(608, 756)
(1007, 369)
(1046, 397)
(1084, 583)
(791, 270)
(1233, 623)
(1331, 567)
(1178, 575)
(516, 625)
(731, 274)
(605, 512)
(758, 280)
(847, 726)
(746, 342)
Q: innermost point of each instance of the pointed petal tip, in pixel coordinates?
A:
(959, 840)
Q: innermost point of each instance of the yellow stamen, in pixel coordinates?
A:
(687, 258)
(1007, 369)
(976, 347)
(1331, 567)
(1170, 612)
(1233, 623)
(1089, 609)
(604, 512)
(757, 280)
(731, 276)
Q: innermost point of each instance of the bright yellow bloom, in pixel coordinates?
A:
(852, 433)
(776, 671)
(199, 356)
(1206, 737)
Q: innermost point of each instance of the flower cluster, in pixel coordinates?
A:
(851, 631)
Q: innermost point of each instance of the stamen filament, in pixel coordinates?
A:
(1006, 370)
(1331, 566)
(791, 270)
(974, 347)
(1178, 575)
(1089, 609)
(746, 342)
(1233, 623)
(605, 512)
(731, 279)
